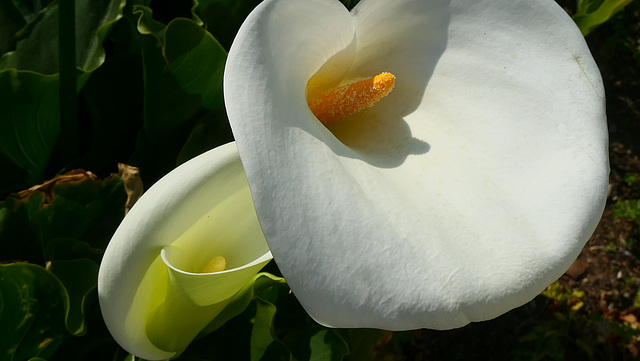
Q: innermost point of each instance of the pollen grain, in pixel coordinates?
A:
(348, 99)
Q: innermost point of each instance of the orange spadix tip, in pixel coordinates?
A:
(345, 100)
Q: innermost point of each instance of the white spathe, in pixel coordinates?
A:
(456, 198)
(153, 296)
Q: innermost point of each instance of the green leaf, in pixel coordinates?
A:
(283, 330)
(79, 277)
(28, 9)
(592, 13)
(362, 342)
(33, 305)
(210, 131)
(259, 284)
(223, 17)
(263, 343)
(37, 45)
(29, 124)
(12, 21)
(182, 83)
(83, 209)
(196, 60)
(183, 75)
(328, 345)
(64, 249)
(36, 134)
(147, 25)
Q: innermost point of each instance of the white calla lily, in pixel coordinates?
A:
(156, 286)
(461, 195)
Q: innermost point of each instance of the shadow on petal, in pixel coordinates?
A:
(192, 300)
(411, 50)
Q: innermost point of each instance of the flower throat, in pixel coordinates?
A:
(338, 103)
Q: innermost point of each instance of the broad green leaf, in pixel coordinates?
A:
(33, 306)
(592, 13)
(147, 25)
(327, 345)
(29, 124)
(37, 45)
(182, 83)
(307, 340)
(197, 61)
(30, 120)
(258, 285)
(262, 340)
(283, 330)
(79, 277)
(183, 74)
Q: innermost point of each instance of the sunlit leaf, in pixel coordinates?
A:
(146, 24)
(592, 13)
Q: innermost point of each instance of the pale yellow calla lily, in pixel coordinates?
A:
(184, 250)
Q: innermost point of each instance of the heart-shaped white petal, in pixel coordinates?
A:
(153, 294)
(459, 196)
